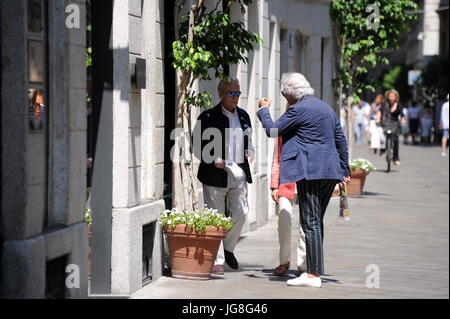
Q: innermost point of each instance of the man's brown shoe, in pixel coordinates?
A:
(281, 269)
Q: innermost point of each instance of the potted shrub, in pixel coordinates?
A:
(359, 169)
(194, 239)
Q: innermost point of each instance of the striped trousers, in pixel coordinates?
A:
(314, 197)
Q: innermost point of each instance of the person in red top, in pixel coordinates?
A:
(284, 196)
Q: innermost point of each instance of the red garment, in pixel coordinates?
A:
(285, 190)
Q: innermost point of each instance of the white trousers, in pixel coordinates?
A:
(232, 201)
(286, 209)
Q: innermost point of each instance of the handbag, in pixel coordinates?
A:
(344, 211)
(376, 138)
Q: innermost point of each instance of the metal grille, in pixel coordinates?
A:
(148, 239)
(55, 279)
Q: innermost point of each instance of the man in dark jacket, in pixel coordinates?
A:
(222, 143)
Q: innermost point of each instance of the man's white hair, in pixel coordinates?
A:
(295, 85)
(224, 83)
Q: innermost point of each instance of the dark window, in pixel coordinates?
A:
(35, 16)
(55, 278)
(148, 239)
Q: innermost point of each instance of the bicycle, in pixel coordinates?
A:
(389, 149)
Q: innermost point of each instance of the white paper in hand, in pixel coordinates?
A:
(234, 170)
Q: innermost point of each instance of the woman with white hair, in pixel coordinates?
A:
(314, 156)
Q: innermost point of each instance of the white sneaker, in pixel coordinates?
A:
(305, 281)
(443, 154)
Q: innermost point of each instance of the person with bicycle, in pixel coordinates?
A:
(390, 116)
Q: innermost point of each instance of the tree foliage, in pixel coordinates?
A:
(363, 29)
(211, 43)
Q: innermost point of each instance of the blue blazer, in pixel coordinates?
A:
(314, 145)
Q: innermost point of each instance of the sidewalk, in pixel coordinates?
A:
(401, 225)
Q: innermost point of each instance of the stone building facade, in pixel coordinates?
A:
(133, 110)
(43, 163)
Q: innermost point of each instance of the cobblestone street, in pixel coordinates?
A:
(400, 224)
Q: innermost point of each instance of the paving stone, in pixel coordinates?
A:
(400, 224)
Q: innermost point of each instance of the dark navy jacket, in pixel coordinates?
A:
(314, 145)
(208, 173)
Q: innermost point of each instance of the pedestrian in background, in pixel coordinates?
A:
(375, 131)
(314, 156)
(389, 117)
(414, 121)
(367, 108)
(404, 126)
(426, 122)
(444, 126)
(359, 121)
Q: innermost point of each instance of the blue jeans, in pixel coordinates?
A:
(359, 131)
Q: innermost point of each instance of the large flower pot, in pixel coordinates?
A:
(192, 253)
(357, 180)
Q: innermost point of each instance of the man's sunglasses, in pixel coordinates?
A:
(238, 93)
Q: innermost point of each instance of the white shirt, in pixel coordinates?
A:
(236, 138)
(444, 116)
(359, 114)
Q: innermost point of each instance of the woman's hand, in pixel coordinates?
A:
(219, 163)
(275, 196)
(345, 181)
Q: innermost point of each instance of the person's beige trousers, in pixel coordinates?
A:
(285, 211)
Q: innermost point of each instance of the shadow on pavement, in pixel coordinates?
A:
(242, 237)
(375, 194)
(385, 171)
(243, 267)
(331, 281)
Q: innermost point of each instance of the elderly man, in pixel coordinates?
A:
(224, 169)
(314, 155)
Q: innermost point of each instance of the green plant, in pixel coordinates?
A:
(391, 77)
(362, 164)
(197, 219)
(88, 216)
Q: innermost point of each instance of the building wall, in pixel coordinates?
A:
(431, 28)
(43, 171)
(138, 132)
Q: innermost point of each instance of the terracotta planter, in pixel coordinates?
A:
(192, 253)
(356, 185)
